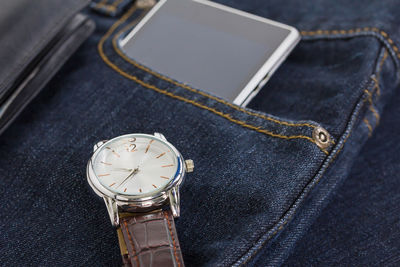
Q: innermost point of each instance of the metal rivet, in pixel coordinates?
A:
(321, 137)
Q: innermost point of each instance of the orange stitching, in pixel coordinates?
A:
(101, 3)
(385, 55)
(371, 104)
(371, 107)
(173, 239)
(377, 87)
(111, 7)
(370, 94)
(376, 114)
(370, 100)
(165, 78)
(368, 125)
(376, 80)
(366, 29)
(165, 92)
(116, 3)
(131, 242)
(125, 28)
(317, 181)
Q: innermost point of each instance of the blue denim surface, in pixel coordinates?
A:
(360, 226)
(260, 179)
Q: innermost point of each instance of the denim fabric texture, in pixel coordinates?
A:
(360, 227)
(260, 180)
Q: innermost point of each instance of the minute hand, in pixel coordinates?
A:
(133, 173)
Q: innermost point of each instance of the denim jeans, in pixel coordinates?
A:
(261, 180)
(360, 226)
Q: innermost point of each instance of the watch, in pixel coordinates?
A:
(138, 175)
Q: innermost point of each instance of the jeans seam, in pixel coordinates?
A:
(165, 78)
(368, 124)
(101, 3)
(111, 7)
(329, 160)
(190, 101)
(355, 31)
(376, 90)
(304, 33)
(351, 33)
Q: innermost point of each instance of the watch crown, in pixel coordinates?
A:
(189, 165)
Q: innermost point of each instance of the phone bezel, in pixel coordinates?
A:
(260, 78)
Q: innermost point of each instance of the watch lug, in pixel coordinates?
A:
(99, 144)
(174, 200)
(160, 135)
(112, 209)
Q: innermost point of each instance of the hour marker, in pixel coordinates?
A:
(125, 189)
(170, 165)
(140, 190)
(164, 177)
(106, 174)
(111, 184)
(131, 150)
(106, 163)
(113, 151)
(154, 186)
(159, 156)
(148, 146)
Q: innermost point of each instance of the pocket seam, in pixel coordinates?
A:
(304, 33)
(347, 133)
(376, 90)
(351, 33)
(197, 104)
(111, 7)
(247, 256)
(165, 78)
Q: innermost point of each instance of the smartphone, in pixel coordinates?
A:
(221, 50)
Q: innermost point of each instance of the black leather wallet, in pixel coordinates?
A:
(36, 39)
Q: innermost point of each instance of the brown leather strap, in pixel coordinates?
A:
(150, 240)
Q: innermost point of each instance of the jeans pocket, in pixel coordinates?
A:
(254, 169)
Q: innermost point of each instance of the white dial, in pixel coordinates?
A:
(135, 164)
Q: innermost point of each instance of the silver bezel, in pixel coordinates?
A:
(137, 202)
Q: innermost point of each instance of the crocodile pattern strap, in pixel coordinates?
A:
(150, 240)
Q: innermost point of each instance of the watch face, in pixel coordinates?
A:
(135, 165)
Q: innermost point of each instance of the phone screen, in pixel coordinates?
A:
(206, 47)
